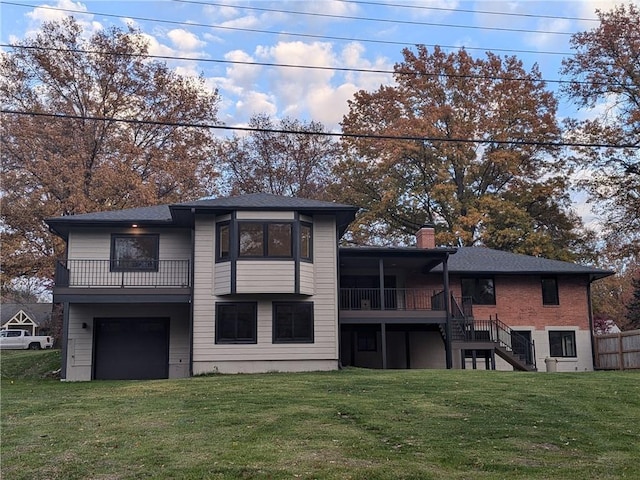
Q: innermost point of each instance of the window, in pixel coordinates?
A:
(480, 289)
(293, 322)
(223, 237)
(265, 239)
(562, 343)
(367, 341)
(236, 322)
(134, 253)
(550, 291)
(306, 242)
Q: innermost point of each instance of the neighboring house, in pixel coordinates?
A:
(257, 283)
(35, 318)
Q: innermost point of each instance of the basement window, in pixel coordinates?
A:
(562, 343)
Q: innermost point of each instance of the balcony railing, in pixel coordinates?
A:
(106, 273)
(389, 299)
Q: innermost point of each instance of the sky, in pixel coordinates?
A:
(241, 47)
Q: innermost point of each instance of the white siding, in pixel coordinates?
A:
(307, 281)
(222, 278)
(262, 278)
(265, 276)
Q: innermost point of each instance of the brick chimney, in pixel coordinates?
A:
(426, 236)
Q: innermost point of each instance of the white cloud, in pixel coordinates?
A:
(542, 39)
(42, 14)
(184, 40)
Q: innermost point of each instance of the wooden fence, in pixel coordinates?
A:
(618, 351)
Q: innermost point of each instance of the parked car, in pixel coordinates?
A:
(22, 340)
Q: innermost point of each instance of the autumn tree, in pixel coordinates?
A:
(283, 157)
(105, 140)
(604, 75)
(469, 146)
(633, 308)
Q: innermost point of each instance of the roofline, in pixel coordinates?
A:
(61, 228)
(395, 251)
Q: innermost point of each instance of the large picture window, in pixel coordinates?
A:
(550, 291)
(480, 289)
(562, 343)
(236, 322)
(134, 253)
(271, 239)
(293, 322)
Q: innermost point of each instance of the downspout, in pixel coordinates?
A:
(339, 326)
(447, 306)
(193, 276)
(590, 312)
(65, 339)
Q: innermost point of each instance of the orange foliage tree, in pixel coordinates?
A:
(506, 190)
(56, 165)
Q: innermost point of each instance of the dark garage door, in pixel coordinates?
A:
(131, 348)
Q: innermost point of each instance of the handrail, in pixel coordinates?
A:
(106, 273)
(410, 299)
(493, 330)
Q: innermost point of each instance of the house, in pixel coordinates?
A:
(35, 318)
(258, 283)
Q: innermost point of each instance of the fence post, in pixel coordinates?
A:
(621, 350)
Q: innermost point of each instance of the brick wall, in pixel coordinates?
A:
(519, 300)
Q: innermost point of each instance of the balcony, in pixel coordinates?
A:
(101, 280)
(406, 305)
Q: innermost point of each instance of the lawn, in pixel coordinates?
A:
(354, 423)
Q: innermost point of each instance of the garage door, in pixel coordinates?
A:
(131, 348)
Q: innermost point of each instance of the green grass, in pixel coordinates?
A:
(25, 364)
(358, 424)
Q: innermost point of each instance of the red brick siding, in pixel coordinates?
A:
(519, 300)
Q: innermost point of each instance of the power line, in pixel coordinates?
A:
(308, 67)
(292, 34)
(327, 134)
(372, 19)
(462, 10)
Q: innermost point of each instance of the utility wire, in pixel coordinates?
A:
(327, 134)
(371, 19)
(309, 67)
(462, 10)
(292, 34)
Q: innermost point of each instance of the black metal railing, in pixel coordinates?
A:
(389, 299)
(460, 308)
(493, 330)
(108, 273)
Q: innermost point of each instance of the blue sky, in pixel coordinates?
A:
(360, 35)
(343, 37)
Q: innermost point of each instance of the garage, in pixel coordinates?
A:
(131, 348)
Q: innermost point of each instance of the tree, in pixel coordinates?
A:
(507, 190)
(55, 166)
(605, 72)
(295, 164)
(633, 308)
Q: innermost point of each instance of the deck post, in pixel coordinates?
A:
(383, 344)
(447, 306)
(381, 273)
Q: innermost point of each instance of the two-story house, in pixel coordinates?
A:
(258, 283)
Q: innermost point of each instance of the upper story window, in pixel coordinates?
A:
(480, 289)
(134, 252)
(550, 291)
(223, 241)
(272, 239)
(306, 242)
(246, 239)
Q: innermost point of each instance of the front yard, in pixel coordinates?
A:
(359, 424)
